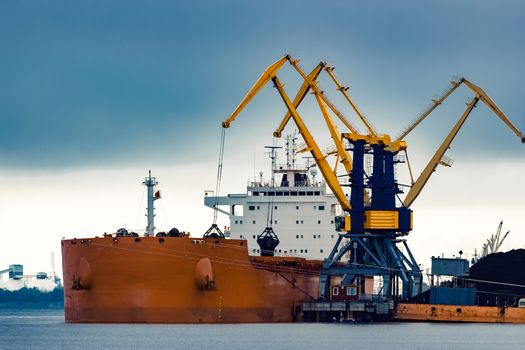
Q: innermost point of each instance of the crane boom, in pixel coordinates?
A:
(436, 103)
(301, 94)
(482, 95)
(494, 107)
(344, 89)
(324, 167)
(342, 153)
(416, 189)
(315, 89)
(268, 74)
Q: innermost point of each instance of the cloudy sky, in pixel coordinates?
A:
(93, 94)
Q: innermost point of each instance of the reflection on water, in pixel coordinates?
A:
(45, 329)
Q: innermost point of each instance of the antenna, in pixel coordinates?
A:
(273, 157)
(291, 150)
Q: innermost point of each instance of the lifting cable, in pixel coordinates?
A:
(214, 231)
(269, 212)
(219, 177)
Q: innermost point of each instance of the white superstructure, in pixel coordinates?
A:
(293, 203)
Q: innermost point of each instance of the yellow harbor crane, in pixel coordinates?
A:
(372, 231)
(438, 157)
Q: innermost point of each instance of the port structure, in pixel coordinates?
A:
(373, 230)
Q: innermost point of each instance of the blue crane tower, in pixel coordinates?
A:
(373, 233)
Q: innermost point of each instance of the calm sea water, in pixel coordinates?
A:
(45, 329)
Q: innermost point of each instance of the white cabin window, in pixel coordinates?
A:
(351, 291)
(251, 207)
(335, 291)
(321, 207)
(320, 250)
(237, 210)
(319, 222)
(254, 222)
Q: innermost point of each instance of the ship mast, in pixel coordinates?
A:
(150, 183)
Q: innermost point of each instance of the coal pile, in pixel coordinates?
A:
(506, 267)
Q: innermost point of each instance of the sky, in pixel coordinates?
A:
(94, 94)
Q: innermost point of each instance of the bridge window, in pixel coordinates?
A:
(237, 210)
(321, 207)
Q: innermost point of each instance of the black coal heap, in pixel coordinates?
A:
(507, 268)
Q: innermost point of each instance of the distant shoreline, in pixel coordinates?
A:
(32, 298)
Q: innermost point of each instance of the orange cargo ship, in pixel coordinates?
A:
(181, 280)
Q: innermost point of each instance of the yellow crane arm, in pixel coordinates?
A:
(494, 107)
(417, 187)
(315, 89)
(436, 103)
(342, 153)
(301, 94)
(320, 160)
(482, 95)
(344, 89)
(268, 74)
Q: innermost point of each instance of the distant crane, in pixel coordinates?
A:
(493, 244)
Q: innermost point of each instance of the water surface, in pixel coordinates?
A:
(45, 329)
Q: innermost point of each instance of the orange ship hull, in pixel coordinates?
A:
(181, 280)
(459, 313)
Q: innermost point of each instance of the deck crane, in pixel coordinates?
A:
(438, 157)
